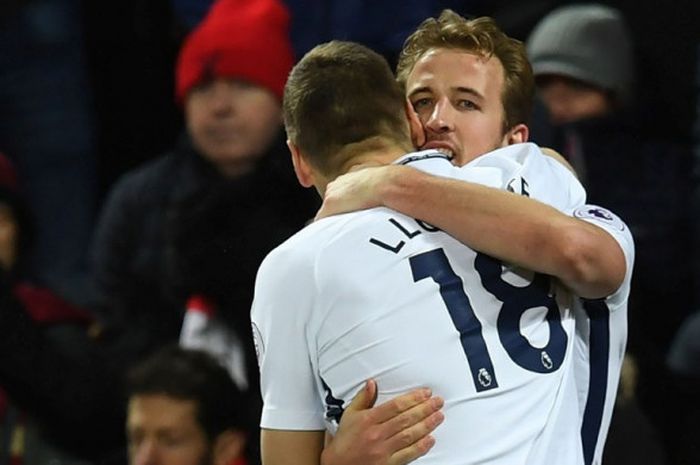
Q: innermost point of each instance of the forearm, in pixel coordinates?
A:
(279, 447)
(512, 228)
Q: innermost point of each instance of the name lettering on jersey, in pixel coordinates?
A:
(518, 186)
(408, 231)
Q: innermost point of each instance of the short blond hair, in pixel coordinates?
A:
(480, 36)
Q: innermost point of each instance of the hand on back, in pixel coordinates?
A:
(394, 433)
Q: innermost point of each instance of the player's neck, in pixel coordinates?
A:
(374, 155)
(376, 151)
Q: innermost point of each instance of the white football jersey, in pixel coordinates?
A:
(601, 337)
(377, 294)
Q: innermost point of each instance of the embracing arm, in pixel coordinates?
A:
(284, 447)
(393, 433)
(507, 226)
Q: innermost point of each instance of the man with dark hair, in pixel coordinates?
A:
(184, 409)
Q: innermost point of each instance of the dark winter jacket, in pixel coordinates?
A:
(175, 225)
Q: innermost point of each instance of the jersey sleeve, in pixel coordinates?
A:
(280, 317)
(525, 170)
(551, 182)
(613, 224)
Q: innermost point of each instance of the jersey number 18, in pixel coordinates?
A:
(515, 301)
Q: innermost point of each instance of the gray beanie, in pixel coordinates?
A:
(587, 42)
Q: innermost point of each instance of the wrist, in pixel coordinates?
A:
(396, 187)
(327, 456)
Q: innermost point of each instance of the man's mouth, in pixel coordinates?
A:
(222, 135)
(440, 146)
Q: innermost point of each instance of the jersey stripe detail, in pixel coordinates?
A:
(599, 344)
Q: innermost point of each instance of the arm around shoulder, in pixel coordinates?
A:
(592, 263)
(512, 228)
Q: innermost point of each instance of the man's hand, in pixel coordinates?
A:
(362, 188)
(393, 433)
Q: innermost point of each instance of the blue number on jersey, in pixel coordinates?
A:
(599, 347)
(434, 264)
(516, 300)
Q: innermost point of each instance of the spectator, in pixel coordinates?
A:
(184, 409)
(582, 58)
(230, 83)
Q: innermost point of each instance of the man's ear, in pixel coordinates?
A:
(417, 131)
(228, 447)
(301, 167)
(517, 134)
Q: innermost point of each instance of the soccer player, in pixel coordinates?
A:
(379, 294)
(471, 87)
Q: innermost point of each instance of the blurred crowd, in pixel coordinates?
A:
(144, 176)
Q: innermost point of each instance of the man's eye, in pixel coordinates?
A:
(173, 441)
(134, 439)
(421, 103)
(467, 105)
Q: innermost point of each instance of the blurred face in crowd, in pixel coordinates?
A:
(164, 431)
(232, 123)
(568, 100)
(458, 98)
(8, 237)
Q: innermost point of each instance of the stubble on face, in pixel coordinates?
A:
(164, 430)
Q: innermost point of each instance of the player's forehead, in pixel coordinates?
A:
(442, 70)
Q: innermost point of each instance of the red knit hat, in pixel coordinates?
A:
(247, 39)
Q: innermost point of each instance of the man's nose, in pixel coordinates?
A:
(220, 101)
(441, 118)
(146, 454)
